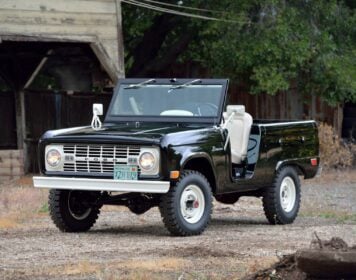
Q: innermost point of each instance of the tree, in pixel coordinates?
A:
(268, 46)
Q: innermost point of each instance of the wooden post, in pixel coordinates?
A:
(21, 126)
(120, 39)
(339, 112)
(19, 118)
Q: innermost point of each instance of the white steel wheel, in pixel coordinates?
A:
(186, 208)
(192, 204)
(287, 194)
(281, 201)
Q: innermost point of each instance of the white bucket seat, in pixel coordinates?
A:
(239, 127)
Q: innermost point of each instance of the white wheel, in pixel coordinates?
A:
(186, 208)
(287, 194)
(281, 201)
(192, 204)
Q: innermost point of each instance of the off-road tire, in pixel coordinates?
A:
(61, 214)
(272, 204)
(170, 206)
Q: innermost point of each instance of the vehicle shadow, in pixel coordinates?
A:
(158, 229)
(230, 221)
(141, 230)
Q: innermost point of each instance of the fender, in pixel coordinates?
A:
(304, 165)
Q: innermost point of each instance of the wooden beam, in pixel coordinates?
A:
(37, 70)
(120, 39)
(105, 60)
(19, 119)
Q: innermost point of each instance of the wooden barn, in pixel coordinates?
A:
(56, 59)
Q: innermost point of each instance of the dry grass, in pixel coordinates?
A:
(83, 267)
(19, 201)
(155, 264)
(334, 153)
(139, 269)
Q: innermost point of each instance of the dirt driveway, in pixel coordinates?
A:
(125, 246)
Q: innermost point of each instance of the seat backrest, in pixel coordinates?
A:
(239, 128)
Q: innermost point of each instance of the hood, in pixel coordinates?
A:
(146, 133)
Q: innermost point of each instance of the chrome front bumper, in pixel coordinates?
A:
(101, 185)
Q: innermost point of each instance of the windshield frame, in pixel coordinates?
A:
(166, 119)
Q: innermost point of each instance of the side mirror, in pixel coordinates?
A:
(98, 109)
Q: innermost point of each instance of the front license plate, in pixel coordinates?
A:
(125, 172)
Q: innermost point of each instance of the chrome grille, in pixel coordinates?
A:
(97, 158)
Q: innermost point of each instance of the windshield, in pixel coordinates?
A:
(167, 100)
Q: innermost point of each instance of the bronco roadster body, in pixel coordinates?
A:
(176, 145)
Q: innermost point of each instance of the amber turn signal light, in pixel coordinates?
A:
(174, 174)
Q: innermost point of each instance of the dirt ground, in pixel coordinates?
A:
(121, 245)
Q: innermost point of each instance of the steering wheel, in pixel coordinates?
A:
(207, 107)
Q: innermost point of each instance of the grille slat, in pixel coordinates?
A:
(97, 158)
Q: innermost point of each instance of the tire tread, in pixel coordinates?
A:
(167, 209)
(270, 198)
(54, 203)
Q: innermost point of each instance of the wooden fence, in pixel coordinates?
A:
(47, 110)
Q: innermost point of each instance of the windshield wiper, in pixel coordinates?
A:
(183, 85)
(140, 84)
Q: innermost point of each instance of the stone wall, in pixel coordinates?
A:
(11, 165)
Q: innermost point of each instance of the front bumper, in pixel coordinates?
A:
(110, 185)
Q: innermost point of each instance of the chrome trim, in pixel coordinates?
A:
(97, 158)
(101, 185)
(285, 123)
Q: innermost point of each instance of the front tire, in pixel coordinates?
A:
(281, 201)
(186, 209)
(71, 211)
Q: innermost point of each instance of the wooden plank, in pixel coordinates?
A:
(109, 63)
(120, 40)
(43, 30)
(19, 17)
(330, 264)
(67, 6)
(48, 38)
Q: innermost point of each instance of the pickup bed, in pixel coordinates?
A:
(176, 145)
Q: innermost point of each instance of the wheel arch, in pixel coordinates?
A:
(298, 167)
(201, 163)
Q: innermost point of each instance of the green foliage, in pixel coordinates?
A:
(271, 45)
(44, 208)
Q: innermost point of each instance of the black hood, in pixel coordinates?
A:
(145, 133)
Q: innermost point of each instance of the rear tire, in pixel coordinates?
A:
(186, 208)
(70, 212)
(281, 201)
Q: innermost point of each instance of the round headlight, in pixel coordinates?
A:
(53, 157)
(147, 161)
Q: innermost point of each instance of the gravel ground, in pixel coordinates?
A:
(121, 245)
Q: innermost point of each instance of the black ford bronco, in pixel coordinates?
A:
(170, 143)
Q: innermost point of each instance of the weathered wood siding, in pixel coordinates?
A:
(97, 22)
(287, 105)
